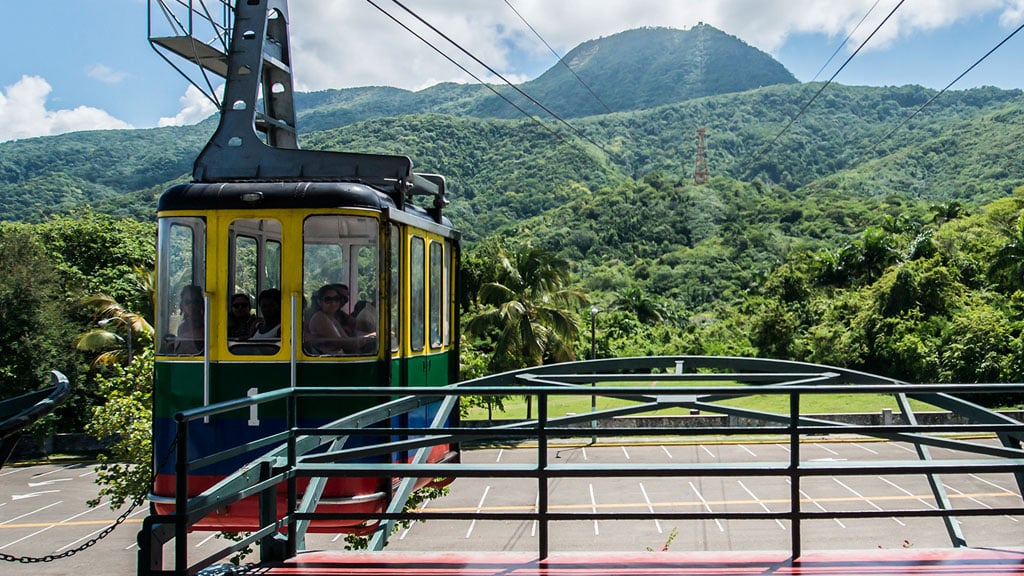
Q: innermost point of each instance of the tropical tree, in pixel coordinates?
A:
(1007, 266)
(640, 303)
(945, 211)
(528, 313)
(119, 330)
(124, 471)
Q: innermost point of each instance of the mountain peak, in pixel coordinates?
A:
(647, 67)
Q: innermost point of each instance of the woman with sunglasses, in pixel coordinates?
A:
(331, 329)
(241, 321)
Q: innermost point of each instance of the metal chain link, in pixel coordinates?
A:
(103, 534)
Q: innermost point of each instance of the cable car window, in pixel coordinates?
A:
(417, 296)
(339, 269)
(254, 301)
(396, 282)
(181, 278)
(436, 291)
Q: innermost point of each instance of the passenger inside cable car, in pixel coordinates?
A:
(190, 334)
(268, 326)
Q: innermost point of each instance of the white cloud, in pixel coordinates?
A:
(1013, 14)
(352, 44)
(105, 74)
(23, 113)
(195, 107)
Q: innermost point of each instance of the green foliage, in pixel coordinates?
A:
(416, 500)
(124, 472)
(34, 330)
(526, 315)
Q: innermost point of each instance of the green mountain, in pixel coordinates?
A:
(632, 70)
(662, 84)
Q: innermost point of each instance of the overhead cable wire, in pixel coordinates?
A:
(561, 59)
(826, 84)
(464, 69)
(497, 74)
(948, 86)
(846, 40)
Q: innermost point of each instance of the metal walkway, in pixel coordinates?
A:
(954, 562)
(641, 385)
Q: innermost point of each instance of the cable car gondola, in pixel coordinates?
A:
(306, 240)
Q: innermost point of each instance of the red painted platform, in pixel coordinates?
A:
(958, 562)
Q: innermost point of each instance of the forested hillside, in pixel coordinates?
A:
(851, 239)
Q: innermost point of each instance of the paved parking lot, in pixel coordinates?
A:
(716, 495)
(43, 511)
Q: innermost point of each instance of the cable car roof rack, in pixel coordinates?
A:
(248, 47)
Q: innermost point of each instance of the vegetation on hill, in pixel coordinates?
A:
(835, 242)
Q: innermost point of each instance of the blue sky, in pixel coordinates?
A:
(84, 64)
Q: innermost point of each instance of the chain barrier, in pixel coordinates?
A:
(103, 534)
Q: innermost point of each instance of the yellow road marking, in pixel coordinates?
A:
(554, 507)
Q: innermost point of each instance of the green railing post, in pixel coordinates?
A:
(181, 497)
(542, 475)
(794, 473)
(293, 491)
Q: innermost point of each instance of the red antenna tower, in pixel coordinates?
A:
(700, 170)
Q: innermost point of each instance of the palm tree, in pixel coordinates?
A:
(639, 302)
(945, 211)
(1007, 266)
(528, 311)
(112, 321)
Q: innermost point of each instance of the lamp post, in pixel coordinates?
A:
(128, 329)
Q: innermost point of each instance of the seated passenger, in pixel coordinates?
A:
(330, 331)
(241, 322)
(191, 331)
(365, 313)
(268, 327)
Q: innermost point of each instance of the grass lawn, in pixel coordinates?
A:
(809, 404)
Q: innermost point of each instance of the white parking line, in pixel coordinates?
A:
(763, 507)
(706, 507)
(864, 498)
(865, 448)
(827, 449)
(665, 450)
(806, 496)
(705, 448)
(650, 508)
(536, 508)
(478, 507)
(593, 508)
(55, 470)
(141, 510)
(976, 501)
(993, 484)
(907, 492)
(500, 452)
(902, 447)
(747, 450)
(411, 524)
(32, 512)
(40, 531)
(625, 453)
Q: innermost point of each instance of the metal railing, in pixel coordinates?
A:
(656, 384)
